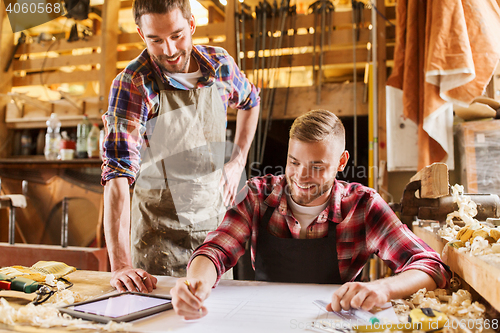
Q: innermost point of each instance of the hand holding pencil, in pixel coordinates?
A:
(188, 296)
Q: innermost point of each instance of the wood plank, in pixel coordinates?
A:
(87, 258)
(6, 49)
(212, 30)
(434, 181)
(129, 38)
(109, 44)
(59, 46)
(437, 243)
(382, 55)
(483, 276)
(128, 55)
(330, 58)
(56, 77)
(56, 62)
(335, 97)
(229, 27)
(39, 122)
(478, 273)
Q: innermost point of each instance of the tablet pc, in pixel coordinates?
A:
(126, 306)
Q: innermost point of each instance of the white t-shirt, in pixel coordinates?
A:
(189, 80)
(305, 215)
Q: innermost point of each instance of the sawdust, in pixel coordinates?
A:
(458, 307)
(47, 315)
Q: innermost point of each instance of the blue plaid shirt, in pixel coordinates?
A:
(134, 99)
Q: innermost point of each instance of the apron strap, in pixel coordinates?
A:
(267, 216)
(159, 81)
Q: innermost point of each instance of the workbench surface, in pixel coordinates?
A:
(234, 306)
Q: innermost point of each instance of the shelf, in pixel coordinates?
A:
(481, 275)
(39, 162)
(40, 122)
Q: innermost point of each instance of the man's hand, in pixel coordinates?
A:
(132, 279)
(188, 300)
(359, 295)
(230, 180)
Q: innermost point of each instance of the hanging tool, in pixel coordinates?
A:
(293, 15)
(20, 40)
(265, 9)
(357, 14)
(283, 13)
(18, 284)
(320, 7)
(245, 14)
(237, 19)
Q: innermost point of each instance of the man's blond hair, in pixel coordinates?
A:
(318, 125)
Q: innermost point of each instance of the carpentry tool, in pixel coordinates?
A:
(431, 320)
(20, 40)
(488, 205)
(293, 17)
(357, 12)
(18, 284)
(320, 7)
(245, 14)
(269, 103)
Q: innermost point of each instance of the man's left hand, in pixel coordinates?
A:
(230, 180)
(359, 295)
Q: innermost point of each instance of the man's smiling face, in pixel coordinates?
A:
(311, 168)
(168, 38)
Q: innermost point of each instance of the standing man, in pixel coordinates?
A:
(165, 130)
(307, 227)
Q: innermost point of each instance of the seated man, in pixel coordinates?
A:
(308, 227)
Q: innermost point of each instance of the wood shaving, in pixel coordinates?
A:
(457, 304)
(47, 315)
(473, 238)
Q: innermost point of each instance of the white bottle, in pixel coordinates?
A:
(53, 138)
(93, 142)
(82, 133)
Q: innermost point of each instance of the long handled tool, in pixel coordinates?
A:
(270, 102)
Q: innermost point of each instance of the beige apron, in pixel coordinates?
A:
(177, 199)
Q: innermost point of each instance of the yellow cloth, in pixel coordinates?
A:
(446, 52)
(39, 271)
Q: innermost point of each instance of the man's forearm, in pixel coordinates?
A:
(406, 283)
(202, 268)
(246, 124)
(117, 222)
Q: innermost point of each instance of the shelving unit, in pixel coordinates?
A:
(482, 276)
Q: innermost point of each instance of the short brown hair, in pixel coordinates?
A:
(318, 125)
(143, 7)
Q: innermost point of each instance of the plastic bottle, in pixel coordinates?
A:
(53, 138)
(82, 133)
(93, 142)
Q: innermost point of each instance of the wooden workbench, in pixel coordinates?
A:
(234, 306)
(482, 276)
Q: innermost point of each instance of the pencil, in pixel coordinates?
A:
(186, 282)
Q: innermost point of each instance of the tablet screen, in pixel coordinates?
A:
(120, 305)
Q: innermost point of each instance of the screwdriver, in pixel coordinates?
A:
(18, 284)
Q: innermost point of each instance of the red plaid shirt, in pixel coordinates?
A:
(365, 225)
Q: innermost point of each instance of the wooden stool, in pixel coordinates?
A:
(13, 201)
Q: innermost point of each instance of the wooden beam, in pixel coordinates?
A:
(56, 77)
(230, 23)
(40, 64)
(330, 58)
(59, 45)
(6, 49)
(214, 15)
(335, 97)
(434, 181)
(109, 44)
(382, 56)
